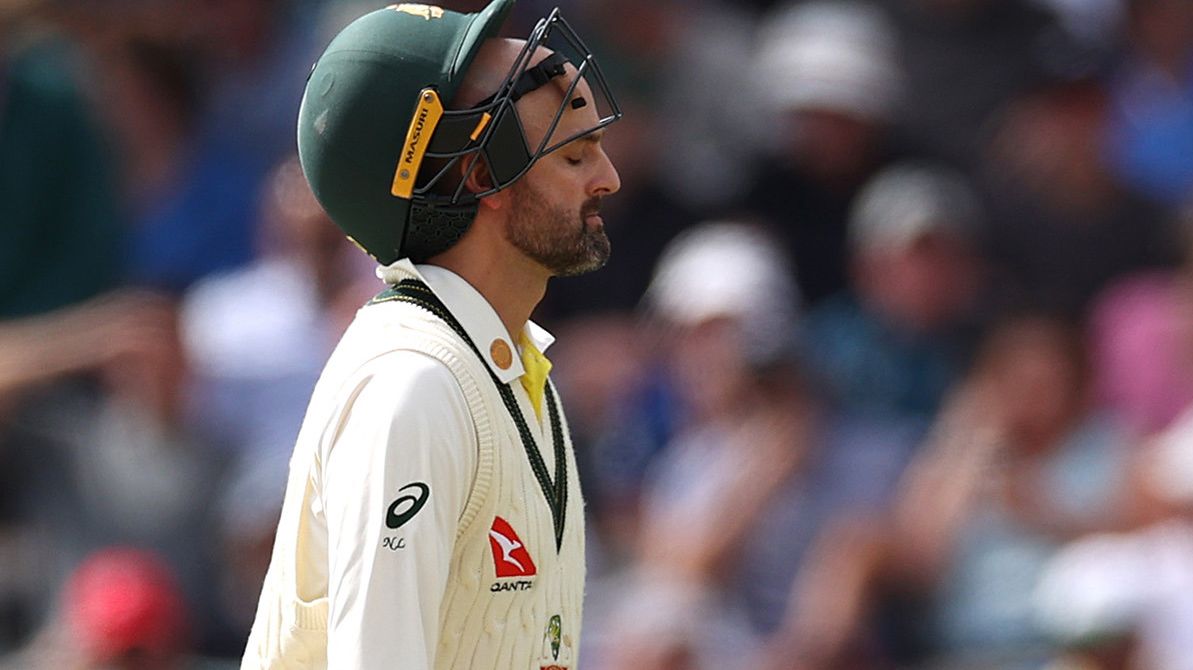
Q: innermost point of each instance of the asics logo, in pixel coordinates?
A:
(406, 506)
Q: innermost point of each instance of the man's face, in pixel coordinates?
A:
(554, 218)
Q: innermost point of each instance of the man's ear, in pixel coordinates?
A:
(480, 179)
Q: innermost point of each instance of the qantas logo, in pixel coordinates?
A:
(510, 557)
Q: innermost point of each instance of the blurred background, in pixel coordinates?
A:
(892, 366)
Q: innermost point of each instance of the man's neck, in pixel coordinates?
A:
(512, 286)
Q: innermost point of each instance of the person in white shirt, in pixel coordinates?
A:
(432, 516)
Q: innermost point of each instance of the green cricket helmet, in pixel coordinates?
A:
(386, 155)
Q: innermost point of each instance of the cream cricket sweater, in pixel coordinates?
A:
(415, 532)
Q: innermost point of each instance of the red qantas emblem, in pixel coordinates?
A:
(509, 554)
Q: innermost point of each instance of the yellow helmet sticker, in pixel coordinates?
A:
(428, 12)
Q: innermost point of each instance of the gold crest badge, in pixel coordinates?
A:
(428, 12)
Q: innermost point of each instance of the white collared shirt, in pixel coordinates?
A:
(408, 423)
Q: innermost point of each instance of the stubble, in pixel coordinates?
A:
(560, 240)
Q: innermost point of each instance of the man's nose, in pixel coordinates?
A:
(607, 181)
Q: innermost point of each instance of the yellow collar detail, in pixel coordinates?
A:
(534, 379)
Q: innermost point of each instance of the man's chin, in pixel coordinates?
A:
(577, 270)
(595, 258)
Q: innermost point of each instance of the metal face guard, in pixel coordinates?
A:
(493, 132)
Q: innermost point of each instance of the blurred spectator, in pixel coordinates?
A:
(47, 360)
(965, 60)
(250, 90)
(258, 336)
(60, 230)
(1061, 227)
(901, 337)
(759, 465)
(650, 409)
(1142, 327)
(1019, 462)
(60, 241)
(1013, 473)
(150, 98)
(828, 72)
(1151, 102)
(1137, 587)
(112, 460)
(121, 609)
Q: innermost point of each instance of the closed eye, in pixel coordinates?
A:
(585, 146)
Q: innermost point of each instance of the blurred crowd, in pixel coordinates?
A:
(892, 366)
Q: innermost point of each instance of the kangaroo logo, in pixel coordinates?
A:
(510, 558)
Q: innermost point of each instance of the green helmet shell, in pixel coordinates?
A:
(360, 100)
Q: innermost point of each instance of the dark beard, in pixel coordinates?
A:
(556, 239)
